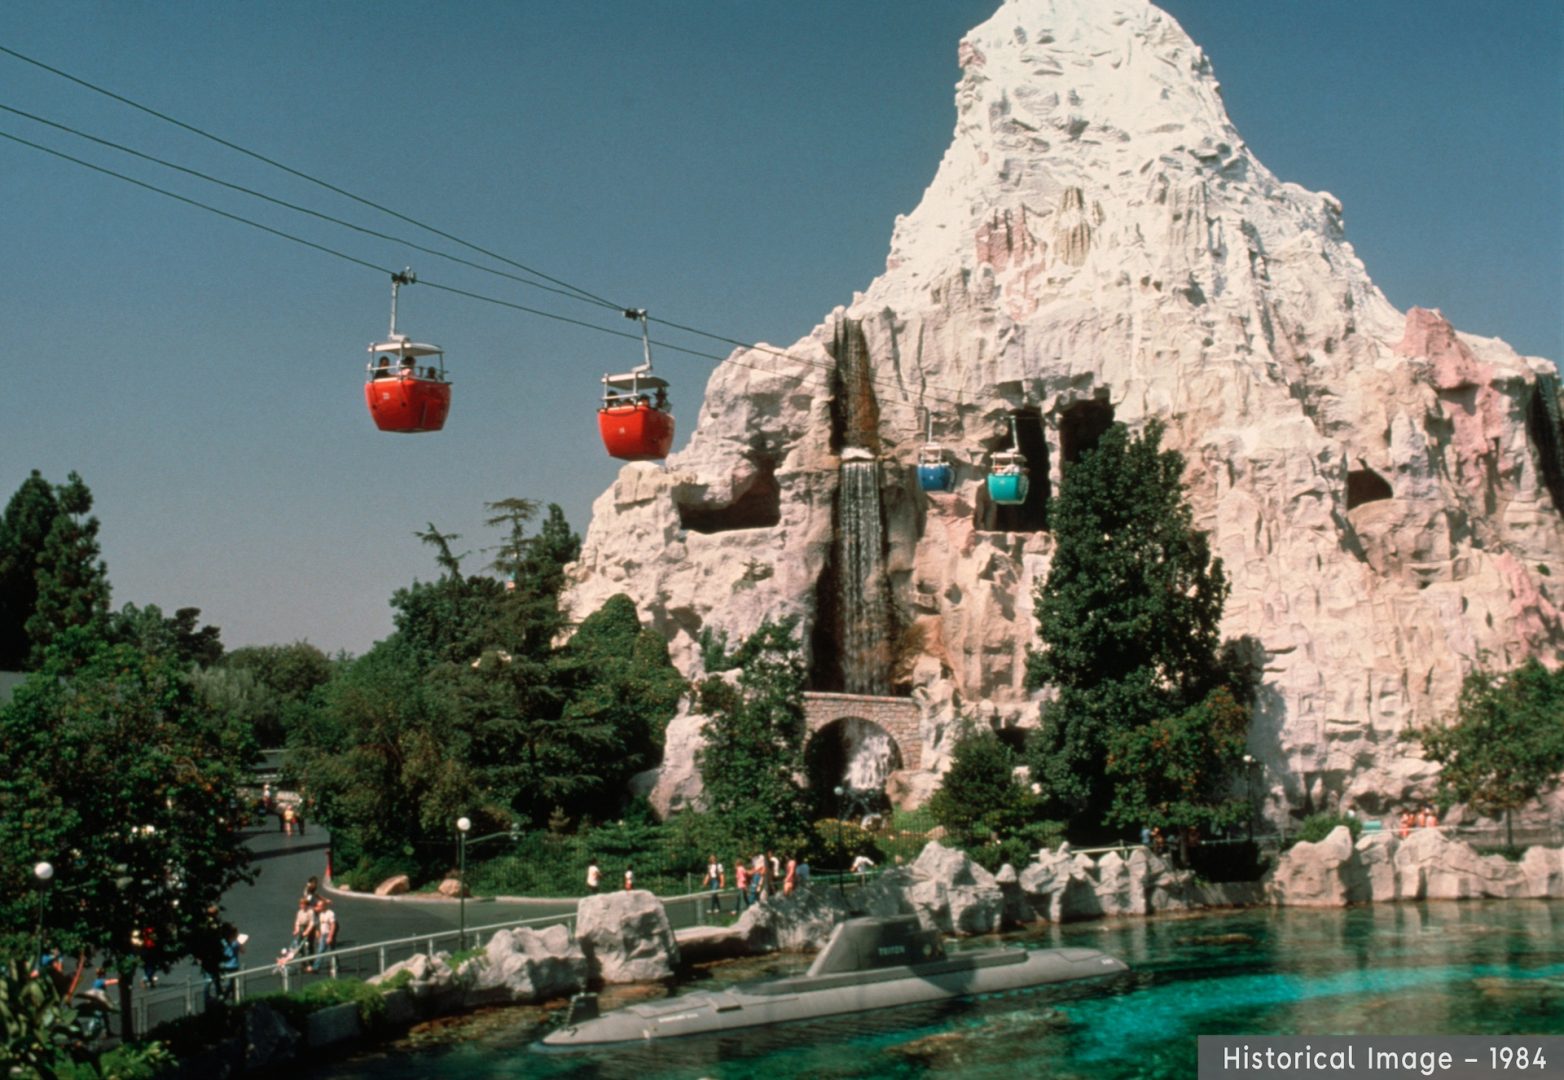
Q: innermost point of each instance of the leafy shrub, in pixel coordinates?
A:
(367, 875)
(837, 842)
(38, 1030)
(921, 820)
(137, 1061)
(296, 1006)
(1317, 827)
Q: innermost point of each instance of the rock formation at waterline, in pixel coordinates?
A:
(1099, 244)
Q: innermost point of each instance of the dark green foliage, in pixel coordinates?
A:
(73, 583)
(1128, 618)
(375, 754)
(178, 636)
(1505, 747)
(1175, 772)
(754, 743)
(979, 799)
(617, 675)
(665, 856)
(113, 770)
(272, 689)
(40, 1035)
(23, 528)
(834, 844)
(469, 710)
(1317, 827)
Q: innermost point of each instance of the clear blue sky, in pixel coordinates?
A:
(732, 165)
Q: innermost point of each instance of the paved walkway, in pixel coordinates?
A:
(264, 910)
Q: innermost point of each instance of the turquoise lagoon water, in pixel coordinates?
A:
(1483, 967)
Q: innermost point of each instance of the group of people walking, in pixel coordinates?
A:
(314, 929)
(754, 877)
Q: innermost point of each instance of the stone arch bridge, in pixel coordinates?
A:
(898, 716)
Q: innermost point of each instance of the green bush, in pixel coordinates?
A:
(137, 1061)
(39, 1031)
(368, 873)
(296, 1006)
(1317, 827)
(837, 842)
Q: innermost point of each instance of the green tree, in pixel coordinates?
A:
(113, 771)
(178, 635)
(467, 710)
(1505, 747)
(754, 742)
(1175, 772)
(271, 688)
(534, 569)
(23, 529)
(73, 583)
(615, 672)
(1128, 616)
(981, 802)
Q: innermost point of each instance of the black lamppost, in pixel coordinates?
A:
(841, 843)
(44, 873)
(463, 824)
(1249, 766)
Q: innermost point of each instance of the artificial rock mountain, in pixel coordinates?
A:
(1099, 244)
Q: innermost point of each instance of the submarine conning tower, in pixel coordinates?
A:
(869, 943)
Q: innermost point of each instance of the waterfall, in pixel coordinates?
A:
(869, 757)
(863, 596)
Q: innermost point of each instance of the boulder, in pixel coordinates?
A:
(798, 923)
(1544, 870)
(394, 886)
(952, 893)
(1017, 911)
(1431, 866)
(626, 937)
(526, 965)
(452, 888)
(428, 975)
(1315, 874)
(1375, 880)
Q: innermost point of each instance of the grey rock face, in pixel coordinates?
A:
(626, 937)
(528, 965)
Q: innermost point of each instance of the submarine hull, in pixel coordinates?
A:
(813, 997)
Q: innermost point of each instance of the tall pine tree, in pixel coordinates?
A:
(23, 529)
(754, 752)
(1128, 619)
(73, 583)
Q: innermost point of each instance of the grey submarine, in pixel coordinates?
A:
(868, 963)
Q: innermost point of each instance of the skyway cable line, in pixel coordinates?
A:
(566, 288)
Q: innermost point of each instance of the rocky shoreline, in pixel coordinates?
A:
(626, 938)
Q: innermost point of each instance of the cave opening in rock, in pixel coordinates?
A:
(1031, 515)
(857, 756)
(1545, 425)
(758, 505)
(1366, 486)
(1081, 428)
